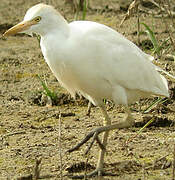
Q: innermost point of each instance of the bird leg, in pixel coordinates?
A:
(106, 122)
(128, 122)
(92, 134)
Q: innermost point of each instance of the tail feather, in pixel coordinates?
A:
(166, 85)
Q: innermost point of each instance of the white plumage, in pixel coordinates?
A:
(95, 61)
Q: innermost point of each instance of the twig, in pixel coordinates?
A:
(160, 159)
(57, 116)
(156, 4)
(89, 109)
(60, 152)
(13, 133)
(173, 175)
(144, 171)
(134, 5)
(27, 177)
(85, 172)
(138, 26)
(37, 169)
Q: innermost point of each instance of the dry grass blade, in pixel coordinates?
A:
(153, 105)
(132, 8)
(173, 174)
(60, 150)
(170, 76)
(37, 169)
(140, 130)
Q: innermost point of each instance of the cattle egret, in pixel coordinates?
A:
(94, 61)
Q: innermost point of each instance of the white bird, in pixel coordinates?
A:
(95, 61)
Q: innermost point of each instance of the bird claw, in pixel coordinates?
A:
(94, 135)
(95, 132)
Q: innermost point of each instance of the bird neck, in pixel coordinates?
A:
(56, 25)
(58, 35)
(52, 43)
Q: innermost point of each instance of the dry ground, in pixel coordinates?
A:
(29, 129)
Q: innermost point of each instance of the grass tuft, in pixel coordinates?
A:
(51, 94)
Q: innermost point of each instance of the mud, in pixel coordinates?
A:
(30, 125)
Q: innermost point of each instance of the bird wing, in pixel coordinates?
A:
(117, 60)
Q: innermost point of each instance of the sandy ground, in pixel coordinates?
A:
(30, 129)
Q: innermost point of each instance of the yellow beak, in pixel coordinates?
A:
(22, 26)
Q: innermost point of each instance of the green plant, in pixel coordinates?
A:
(140, 130)
(84, 10)
(160, 100)
(152, 37)
(157, 47)
(82, 6)
(51, 94)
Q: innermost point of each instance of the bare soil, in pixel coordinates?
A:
(30, 126)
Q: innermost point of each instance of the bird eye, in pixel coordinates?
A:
(38, 19)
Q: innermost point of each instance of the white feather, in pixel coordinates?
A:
(96, 61)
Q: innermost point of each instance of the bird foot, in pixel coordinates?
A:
(92, 134)
(97, 172)
(95, 132)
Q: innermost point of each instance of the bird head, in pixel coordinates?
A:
(39, 19)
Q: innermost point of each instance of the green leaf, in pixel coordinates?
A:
(49, 93)
(157, 101)
(84, 10)
(152, 38)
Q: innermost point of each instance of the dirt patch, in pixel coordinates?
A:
(29, 127)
